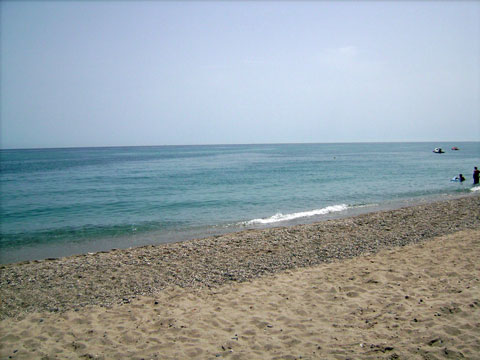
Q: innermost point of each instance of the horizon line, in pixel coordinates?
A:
(233, 144)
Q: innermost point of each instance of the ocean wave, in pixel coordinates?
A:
(285, 217)
(476, 188)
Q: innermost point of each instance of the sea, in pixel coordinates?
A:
(60, 202)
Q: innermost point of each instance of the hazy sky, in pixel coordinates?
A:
(103, 73)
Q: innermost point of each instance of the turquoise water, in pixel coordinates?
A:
(57, 202)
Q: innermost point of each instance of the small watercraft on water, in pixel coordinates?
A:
(455, 148)
(438, 151)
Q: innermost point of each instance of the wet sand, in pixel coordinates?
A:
(393, 284)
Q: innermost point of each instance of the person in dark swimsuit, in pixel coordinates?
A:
(476, 174)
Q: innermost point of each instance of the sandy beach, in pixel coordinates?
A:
(400, 284)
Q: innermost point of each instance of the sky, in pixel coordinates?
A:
(127, 73)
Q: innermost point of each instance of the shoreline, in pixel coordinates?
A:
(118, 276)
(125, 242)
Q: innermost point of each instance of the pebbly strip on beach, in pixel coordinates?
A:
(118, 276)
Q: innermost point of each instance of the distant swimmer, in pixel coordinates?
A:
(459, 178)
(476, 174)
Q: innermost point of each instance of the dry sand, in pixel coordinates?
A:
(418, 301)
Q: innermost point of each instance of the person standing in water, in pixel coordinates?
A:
(476, 174)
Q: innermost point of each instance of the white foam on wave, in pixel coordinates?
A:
(285, 217)
(476, 188)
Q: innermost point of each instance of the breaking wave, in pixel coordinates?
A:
(285, 217)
